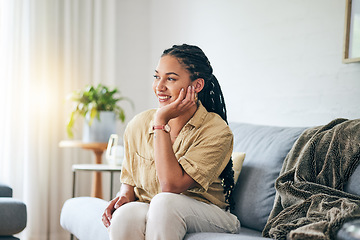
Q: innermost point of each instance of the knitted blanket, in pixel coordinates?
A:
(310, 202)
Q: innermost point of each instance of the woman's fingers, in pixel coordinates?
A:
(189, 100)
(181, 96)
(105, 221)
(110, 209)
(185, 102)
(107, 215)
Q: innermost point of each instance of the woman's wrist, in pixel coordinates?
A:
(160, 121)
(128, 192)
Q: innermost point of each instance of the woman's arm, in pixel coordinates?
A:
(126, 195)
(171, 175)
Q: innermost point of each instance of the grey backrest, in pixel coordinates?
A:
(353, 185)
(266, 148)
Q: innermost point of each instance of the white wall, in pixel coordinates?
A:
(134, 80)
(278, 61)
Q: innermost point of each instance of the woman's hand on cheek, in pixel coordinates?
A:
(181, 105)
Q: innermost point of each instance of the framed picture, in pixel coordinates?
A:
(351, 51)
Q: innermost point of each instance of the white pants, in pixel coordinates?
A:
(169, 216)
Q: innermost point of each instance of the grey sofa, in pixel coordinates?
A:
(13, 214)
(266, 148)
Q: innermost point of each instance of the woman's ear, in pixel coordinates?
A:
(198, 84)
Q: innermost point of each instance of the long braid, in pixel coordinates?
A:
(215, 103)
(211, 96)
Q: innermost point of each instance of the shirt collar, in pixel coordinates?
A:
(198, 117)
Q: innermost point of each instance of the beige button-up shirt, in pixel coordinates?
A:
(203, 149)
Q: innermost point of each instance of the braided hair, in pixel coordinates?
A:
(198, 65)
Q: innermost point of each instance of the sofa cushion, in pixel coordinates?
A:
(266, 148)
(238, 160)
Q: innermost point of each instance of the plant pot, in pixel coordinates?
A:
(100, 130)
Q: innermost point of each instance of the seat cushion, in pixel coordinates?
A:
(81, 216)
(245, 233)
(266, 148)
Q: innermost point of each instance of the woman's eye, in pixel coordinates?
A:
(156, 77)
(171, 79)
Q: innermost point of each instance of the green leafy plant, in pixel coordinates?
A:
(91, 100)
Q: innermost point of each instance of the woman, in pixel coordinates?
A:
(177, 176)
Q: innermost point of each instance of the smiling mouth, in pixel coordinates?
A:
(164, 97)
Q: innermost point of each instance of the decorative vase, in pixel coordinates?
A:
(114, 152)
(100, 130)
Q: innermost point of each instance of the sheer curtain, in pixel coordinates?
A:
(48, 48)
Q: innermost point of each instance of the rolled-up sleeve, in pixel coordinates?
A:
(208, 155)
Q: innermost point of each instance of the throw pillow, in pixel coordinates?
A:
(238, 160)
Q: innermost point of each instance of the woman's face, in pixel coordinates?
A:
(169, 78)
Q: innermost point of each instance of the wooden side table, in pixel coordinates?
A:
(96, 168)
(98, 148)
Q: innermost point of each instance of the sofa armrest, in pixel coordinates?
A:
(350, 230)
(13, 216)
(81, 216)
(5, 190)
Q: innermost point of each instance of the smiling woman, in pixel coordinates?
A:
(177, 169)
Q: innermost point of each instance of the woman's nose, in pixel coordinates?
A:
(160, 85)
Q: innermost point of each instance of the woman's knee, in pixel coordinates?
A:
(165, 203)
(124, 214)
(164, 218)
(126, 218)
(165, 199)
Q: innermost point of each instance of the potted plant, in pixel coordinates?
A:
(100, 109)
